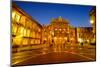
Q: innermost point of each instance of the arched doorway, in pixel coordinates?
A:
(59, 43)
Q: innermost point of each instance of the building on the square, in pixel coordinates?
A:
(84, 34)
(25, 30)
(72, 35)
(59, 32)
(92, 15)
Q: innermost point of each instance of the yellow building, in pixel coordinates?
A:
(92, 14)
(25, 30)
(59, 33)
(84, 34)
(93, 18)
(72, 35)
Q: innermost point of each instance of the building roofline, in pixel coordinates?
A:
(24, 13)
(92, 10)
(83, 27)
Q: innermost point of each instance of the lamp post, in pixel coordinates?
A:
(80, 42)
(91, 21)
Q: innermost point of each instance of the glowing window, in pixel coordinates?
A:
(23, 20)
(32, 41)
(14, 29)
(25, 41)
(20, 31)
(24, 32)
(39, 30)
(28, 33)
(17, 17)
(13, 14)
(30, 24)
(17, 41)
(27, 23)
(38, 41)
(34, 26)
(33, 34)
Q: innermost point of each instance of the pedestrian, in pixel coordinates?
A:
(81, 44)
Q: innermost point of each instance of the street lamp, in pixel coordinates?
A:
(91, 21)
(52, 33)
(79, 40)
(60, 29)
(45, 39)
(65, 38)
(55, 38)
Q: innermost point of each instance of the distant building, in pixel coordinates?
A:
(59, 32)
(93, 18)
(73, 35)
(84, 34)
(25, 30)
(92, 14)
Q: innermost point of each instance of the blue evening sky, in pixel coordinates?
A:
(77, 15)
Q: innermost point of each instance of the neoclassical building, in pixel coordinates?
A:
(25, 30)
(84, 34)
(92, 15)
(60, 33)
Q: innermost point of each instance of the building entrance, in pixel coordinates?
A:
(59, 44)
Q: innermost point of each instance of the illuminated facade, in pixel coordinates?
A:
(60, 33)
(25, 30)
(93, 21)
(73, 35)
(31, 40)
(84, 34)
(60, 30)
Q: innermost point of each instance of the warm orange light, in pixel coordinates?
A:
(55, 38)
(91, 21)
(39, 30)
(64, 29)
(14, 29)
(52, 32)
(19, 36)
(80, 40)
(60, 29)
(28, 33)
(60, 38)
(13, 14)
(65, 38)
(17, 40)
(72, 38)
(21, 30)
(55, 29)
(17, 17)
(45, 39)
(24, 32)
